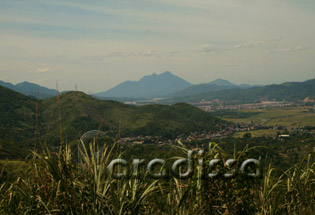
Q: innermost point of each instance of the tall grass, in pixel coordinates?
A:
(60, 184)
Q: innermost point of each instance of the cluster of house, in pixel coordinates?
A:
(262, 105)
(197, 136)
(307, 99)
(139, 140)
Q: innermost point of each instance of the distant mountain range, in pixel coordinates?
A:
(216, 85)
(30, 89)
(151, 86)
(165, 85)
(175, 89)
(291, 91)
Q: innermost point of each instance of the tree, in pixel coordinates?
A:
(247, 135)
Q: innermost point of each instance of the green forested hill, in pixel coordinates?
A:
(17, 121)
(81, 113)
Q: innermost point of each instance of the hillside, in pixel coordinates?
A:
(149, 86)
(30, 89)
(285, 91)
(17, 121)
(81, 113)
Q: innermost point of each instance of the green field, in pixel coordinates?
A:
(290, 117)
(258, 133)
(12, 169)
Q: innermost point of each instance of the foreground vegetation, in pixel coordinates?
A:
(59, 184)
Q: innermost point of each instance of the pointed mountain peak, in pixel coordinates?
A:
(222, 82)
(26, 83)
(155, 76)
(167, 73)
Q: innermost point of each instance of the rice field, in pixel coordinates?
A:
(290, 117)
(258, 133)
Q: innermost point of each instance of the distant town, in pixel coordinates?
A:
(216, 105)
(211, 136)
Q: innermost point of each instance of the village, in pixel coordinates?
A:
(211, 106)
(206, 135)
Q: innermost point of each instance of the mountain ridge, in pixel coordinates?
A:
(30, 89)
(155, 85)
(213, 86)
(285, 91)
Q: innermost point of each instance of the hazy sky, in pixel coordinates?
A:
(98, 44)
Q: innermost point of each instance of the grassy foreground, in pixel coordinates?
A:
(58, 184)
